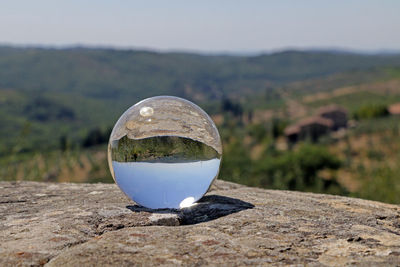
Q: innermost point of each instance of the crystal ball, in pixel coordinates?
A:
(164, 152)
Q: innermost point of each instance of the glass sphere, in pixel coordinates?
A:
(164, 152)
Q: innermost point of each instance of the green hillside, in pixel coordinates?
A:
(46, 94)
(161, 149)
(57, 107)
(116, 73)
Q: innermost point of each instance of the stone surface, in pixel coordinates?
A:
(95, 224)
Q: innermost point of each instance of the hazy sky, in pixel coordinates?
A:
(206, 25)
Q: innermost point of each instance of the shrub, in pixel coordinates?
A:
(382, 184)
(371, 111)
(257, 131)
(96, 137)
(297, 170)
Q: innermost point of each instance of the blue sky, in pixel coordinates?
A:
(208, 26)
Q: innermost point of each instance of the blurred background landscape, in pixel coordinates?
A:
(290, 116)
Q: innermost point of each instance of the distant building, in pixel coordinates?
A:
(311, 128)
(336, 114)
(328, 119)
(394, 109)
(292, 133)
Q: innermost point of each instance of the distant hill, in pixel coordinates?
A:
(119, 73)
(51, 92)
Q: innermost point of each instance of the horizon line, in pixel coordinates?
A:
(338, 50)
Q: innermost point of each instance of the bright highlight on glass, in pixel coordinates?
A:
(187, 202)
(164, 152)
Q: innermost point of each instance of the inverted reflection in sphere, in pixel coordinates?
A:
(164, 152)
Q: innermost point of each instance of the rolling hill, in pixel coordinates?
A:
(48, 93)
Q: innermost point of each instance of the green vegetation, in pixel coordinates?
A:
(76, 165)
(371, 111)
(67, 92)
(355, 101)
(382, 184)
(57, 107)
(298, 170)
(291, 170)
(393, 73)
(161, 149)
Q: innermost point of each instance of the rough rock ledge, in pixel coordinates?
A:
(95, 224)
